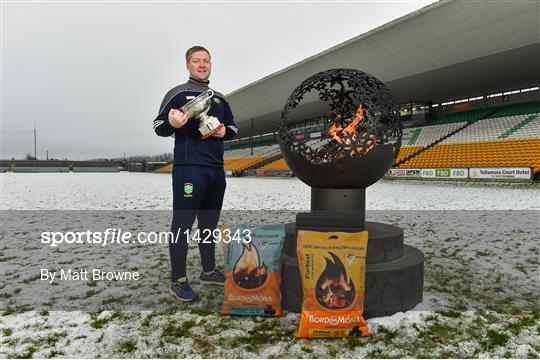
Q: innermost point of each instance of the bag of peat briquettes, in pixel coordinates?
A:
(332, 270)
(253, 270)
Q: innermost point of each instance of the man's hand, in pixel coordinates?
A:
(178, 118)
(220, 133)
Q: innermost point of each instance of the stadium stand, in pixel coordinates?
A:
(406, 152)
(531, 107)
(258, 151)
(494, 129)
(242, 159)
(279, 164)
(529, 128)
(416, 139)
(480, 154)
(465, 116)
(509, 136)
(243, 163)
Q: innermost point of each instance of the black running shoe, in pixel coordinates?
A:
(215, 278)
(181, 290)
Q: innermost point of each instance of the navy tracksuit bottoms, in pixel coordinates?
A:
(197, 192)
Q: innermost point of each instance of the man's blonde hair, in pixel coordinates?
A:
(193, 49)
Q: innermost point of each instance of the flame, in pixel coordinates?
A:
(248, 271)
(333, 290)
(348, 135)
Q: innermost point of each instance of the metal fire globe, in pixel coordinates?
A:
(360, 136)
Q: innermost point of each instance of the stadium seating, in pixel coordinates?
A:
(427, 135)
(480, 154)
(241, 159)
(243, 163)
(416, 139)
(512, 140)
(279, 164)
(495, 129)
(405, 152)
(465, 116)
(529, 128)
(518, 109)
(266, 151)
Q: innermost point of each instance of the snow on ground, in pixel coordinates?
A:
(481, 288)
(140, 191)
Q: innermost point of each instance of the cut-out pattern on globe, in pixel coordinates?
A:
(362, 113)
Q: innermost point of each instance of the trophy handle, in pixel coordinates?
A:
(209, 93)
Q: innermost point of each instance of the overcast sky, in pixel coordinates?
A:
(91, 74)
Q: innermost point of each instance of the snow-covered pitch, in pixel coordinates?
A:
(481, 287)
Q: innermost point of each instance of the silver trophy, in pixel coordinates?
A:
(197, 108)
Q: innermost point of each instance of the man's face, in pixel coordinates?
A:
(199, 65)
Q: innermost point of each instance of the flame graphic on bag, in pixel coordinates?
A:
(332, 270)
(253, 271)
(333, 291)
(248, 271)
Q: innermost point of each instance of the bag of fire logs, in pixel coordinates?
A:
(253, 270)
(332, 269)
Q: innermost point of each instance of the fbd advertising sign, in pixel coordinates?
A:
(445, 173)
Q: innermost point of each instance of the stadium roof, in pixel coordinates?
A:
(444, 51)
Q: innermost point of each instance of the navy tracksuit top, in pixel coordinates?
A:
(189, 148)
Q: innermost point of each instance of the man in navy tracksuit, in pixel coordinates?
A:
(198, 175)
